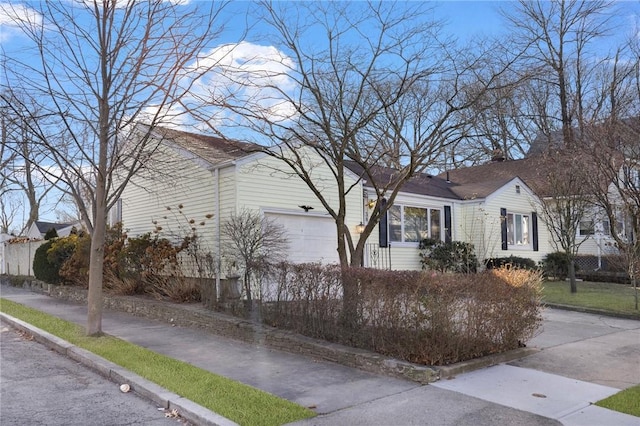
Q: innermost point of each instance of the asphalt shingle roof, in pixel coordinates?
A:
(422, 183)
(213, 149)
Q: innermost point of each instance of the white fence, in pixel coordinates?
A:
(17, 258)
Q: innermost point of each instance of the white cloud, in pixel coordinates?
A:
(12, 16)
(245, 73)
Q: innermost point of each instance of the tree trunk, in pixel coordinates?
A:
(572, 276)
(350, 301)
(247, 285)
(357, 257)
(96, 262)
(634, 282)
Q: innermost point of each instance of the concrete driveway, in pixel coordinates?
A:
(592, 348)
(583, 358)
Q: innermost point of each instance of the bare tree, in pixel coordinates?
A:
(354, 100)
(616, 155)
(557, 38)
(255, 242)
(6, 158)
(96, 68)
(501, 126)
(21, 155)
(566, 202)
(9, 208)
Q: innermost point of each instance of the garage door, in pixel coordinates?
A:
(311, 238)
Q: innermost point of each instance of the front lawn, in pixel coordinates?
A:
(243, 404)
(615, 298)
(626, 401)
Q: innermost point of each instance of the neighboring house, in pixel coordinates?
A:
(38, 229)
(621, 139)
(205, 180)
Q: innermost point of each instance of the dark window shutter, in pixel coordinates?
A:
(447, 224)
(534, 230)
(383, 228)
(503, 228)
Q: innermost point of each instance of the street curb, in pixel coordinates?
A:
(591, 311)
(187, 409)
(450, 371)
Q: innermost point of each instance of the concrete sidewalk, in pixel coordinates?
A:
(341, 395)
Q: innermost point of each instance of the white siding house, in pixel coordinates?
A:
(206, 179)
(38, 229)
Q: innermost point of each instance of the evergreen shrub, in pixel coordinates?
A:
(43, 269)
(513, 261)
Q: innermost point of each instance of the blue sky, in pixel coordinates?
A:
(465, 20)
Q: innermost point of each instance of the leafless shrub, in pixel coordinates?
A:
(427, 318)
(254, 243)
(125, 286)
(175, 288)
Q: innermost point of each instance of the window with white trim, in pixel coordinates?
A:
(115, 213)
(408, 224)
(590, 227)
(605, 227)
(587, 227)
(518, 229)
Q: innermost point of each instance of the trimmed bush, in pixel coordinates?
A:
(556, 264)
(513, 261)
(454, 256)
(75, 269)
(50, 257)
(423, 317)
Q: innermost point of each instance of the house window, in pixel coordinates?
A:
(587, 227)
(518, 229)
(631, 177)
(411, 224)
(115, 214)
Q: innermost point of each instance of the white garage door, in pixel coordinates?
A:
(311, 238)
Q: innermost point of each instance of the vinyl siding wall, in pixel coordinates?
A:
(524, 203)
(266, 184)
(479, 224)
(156, 198)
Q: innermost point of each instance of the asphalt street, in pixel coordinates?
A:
(41, 387)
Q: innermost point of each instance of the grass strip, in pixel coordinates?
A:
(241, 403)
(611, 297)
(626, 401)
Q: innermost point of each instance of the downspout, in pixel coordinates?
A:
(364, 221)
(216, 182)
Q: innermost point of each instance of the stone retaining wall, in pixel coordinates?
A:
(195, 315)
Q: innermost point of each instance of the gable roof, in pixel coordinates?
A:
(214, 150)
(481, 189)
(480, 181)
(43, 226)
(421, 183)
